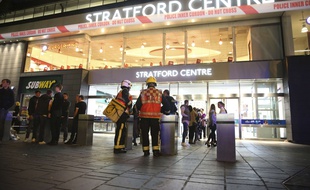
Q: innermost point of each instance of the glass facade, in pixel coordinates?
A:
(169, 46)
(247, 99)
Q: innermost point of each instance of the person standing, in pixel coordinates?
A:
(80, 108)
(149, 105)
(65, 116)
(124, 98)
(42, 110)
(172, 102)
(6, 102)
(185, 121)
(192, 125)
(221, 106)
(55, 114)
(34, 118)
(212, 126)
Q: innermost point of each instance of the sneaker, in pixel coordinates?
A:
(26, 140)
(42, 142)
(185, 144)
(33, 140)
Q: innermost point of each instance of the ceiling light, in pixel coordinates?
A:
(167, 46)
(102, 30)
(101, 50)
(44, 48)
(121, 48)
(220, 42)
(231, 42)
(142, 46)
(207, 41)
(304, 28)
(193, 44)
(77, 49)
(111, 46)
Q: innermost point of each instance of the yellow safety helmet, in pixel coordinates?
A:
(151, 80)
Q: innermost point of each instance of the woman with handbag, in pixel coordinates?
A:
(212, 126)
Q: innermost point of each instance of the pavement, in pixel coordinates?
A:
(260, 165)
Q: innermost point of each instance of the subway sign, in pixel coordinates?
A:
(31, 84)
(169, 7)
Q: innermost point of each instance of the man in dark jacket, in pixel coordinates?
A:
(172, 102)
(43, 108)
(55, 114)
(65, 115)
(34, 119)
(6, 102)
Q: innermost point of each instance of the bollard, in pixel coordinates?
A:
(226, 144)
(85, 130)
(129, 133)
(169, 134)
(7, 127)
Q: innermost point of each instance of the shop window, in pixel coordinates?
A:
(144, 49)
(207, 45)
(243, 43)
(19, 15)
(38, 12)
(83, 4)
(71, 5)
(57, 55)
(28, 13)
(49, 10)
(9, 17)
(107, 52)
(95, 3)
(175, 47)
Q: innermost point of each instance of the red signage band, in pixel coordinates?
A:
(144, 19)
(248, 9)
(62, 29)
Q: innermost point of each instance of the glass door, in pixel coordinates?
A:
(232, 106)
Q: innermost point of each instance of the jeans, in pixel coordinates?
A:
(185, 130)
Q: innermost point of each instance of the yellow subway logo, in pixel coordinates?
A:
(40, 84)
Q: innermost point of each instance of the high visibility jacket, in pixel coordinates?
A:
(151, 99)
(122, 100)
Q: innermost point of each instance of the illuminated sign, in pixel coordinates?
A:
(40, 84)
(31, 84)
(174, 73)
(167, 7)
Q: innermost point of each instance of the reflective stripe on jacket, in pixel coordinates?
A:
(151, 99)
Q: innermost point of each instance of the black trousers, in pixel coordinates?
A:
(55, 128)
(44, 122)
(145, 125)
(3, 114)
(74, 130)
(193, 136)
(64, 127)
(212, 134)
(121, 132)
(34, 125)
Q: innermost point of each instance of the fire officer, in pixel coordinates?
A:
(121, 131)
(149, 104)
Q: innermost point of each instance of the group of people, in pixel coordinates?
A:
(149, 107)
(147, 111)
(44, 111)
(195, 123)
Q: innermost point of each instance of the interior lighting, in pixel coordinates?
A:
(220, 42)
(167, 46)
(77, 49)
(101, 50)
(304, 28)
(44, 48)
(142, 46)
(121, 48)
(207, 41)
(193, 44)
